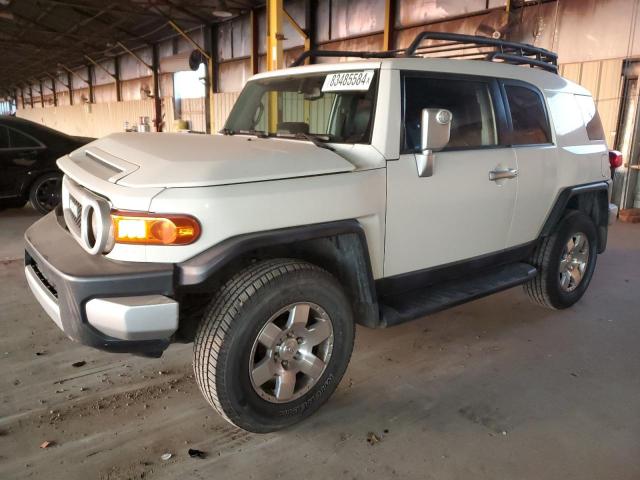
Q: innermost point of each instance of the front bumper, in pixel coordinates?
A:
(110, 305)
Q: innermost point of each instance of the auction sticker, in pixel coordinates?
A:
(348, 81)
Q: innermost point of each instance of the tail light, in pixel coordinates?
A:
(151, 229)
(615, 158)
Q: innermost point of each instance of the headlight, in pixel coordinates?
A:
(153, 229)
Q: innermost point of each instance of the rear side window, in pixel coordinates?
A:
(20, 140)
(590, 117)
(473, 123)
(528, 116)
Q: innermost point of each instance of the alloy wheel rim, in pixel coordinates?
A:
(573, 262)
(291, 352)
(48, 193)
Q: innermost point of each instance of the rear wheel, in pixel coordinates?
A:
(565, 261)
(46, 192)
(274, 344)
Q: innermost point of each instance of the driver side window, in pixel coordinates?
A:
(473, 124)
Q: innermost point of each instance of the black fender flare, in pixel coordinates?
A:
(599, 214)
(345, 239)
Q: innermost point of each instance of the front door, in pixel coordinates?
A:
(458, 213)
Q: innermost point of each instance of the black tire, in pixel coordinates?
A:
(545, 289)
(233, 321)
(45, 192)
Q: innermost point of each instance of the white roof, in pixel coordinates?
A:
(536, 76)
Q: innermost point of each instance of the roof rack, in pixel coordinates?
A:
(455, 45)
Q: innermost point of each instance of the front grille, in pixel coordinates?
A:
(77, 218)
(44, 280)
(78, 203)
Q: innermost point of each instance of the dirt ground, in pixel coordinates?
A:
(498, 388)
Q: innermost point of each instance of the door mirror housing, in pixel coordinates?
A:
(435, 130)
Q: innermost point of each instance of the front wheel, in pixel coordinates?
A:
(565, 261)
(273, 344)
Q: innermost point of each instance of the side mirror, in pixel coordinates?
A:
(434, 136)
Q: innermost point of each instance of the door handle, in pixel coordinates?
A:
(503, 173)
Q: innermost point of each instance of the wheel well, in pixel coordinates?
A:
(593, 203)
(31, 180)
(343, 255)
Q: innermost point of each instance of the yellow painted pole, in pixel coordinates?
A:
(274, 54)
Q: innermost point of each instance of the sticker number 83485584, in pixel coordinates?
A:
(348, 81)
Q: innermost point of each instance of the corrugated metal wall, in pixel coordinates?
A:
(579, 30)
(604, 80)
(223, 105)
(91, 120)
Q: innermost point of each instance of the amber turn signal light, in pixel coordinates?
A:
(153, 229)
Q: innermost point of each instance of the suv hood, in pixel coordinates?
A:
(155, 160)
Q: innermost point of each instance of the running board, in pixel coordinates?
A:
(415, 304)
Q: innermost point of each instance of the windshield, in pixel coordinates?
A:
(336, 107)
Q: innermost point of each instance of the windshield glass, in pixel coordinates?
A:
(337, 107)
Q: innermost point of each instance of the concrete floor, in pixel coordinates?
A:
(495, 389)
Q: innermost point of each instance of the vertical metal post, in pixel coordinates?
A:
(274, 35)
(157, 101)
(70, 87)
(212, 79)
(92, 97)
(41, 93)
(54, 91)
(274, 54)
(389, 24)
(116, 75)
(310, 23)
(253, 18)
(31, 95)
(22, 97)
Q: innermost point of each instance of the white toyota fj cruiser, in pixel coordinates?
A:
(371, 192)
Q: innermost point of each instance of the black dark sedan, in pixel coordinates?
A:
(28, 171)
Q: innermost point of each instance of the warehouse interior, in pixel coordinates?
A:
(91, 69)
(496, 388)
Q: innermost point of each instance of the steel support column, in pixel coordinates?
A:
(41, 93)
(53, 89)
(274, 35)
(116, 75)
(253, 18)
(389, 24)
(157, 101)
(275, 59)
(92, 93)
(212, 80)
(31, 95)
(112, 75)
(70, 87)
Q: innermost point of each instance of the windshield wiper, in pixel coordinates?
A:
(257, 133)
(226, 131)
(317, 140)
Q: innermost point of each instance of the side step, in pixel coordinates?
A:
(415, 304)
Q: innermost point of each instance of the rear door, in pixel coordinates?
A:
(536, 155)
(19, 154)
(7, 182)
(458, 213)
